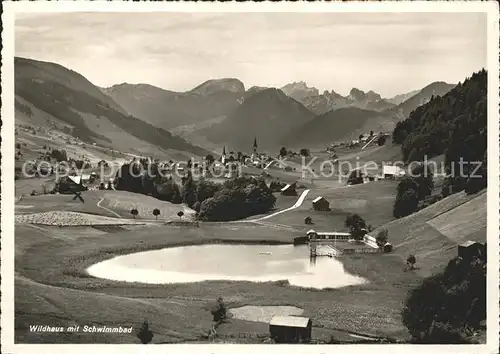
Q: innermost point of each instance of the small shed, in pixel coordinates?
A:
(289, 189)
(321, 204)
(290, 329)
(470, 249)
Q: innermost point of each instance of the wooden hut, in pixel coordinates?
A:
(321, 204)
(289, 189)
(290, 329)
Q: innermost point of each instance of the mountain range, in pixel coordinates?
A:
(216, 112)
(48, 93)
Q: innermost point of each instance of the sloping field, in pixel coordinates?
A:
(56, 202)
(372, 201)
(433, 233)
(465, 220)
(49, 305)
(69, 218)
(122, 202)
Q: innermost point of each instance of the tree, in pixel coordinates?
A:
(356, 177)
(381, 140)
(360, 136)
(168, 190)
(283, 152)
(144, 334)
(411, 260)
(304, 152)
(371, 133)
(219, 310)
(134, 212)
(209, 159)
(382, 237)
(189, 191)
(406, 204)
(356, 225)
(102, 186)
(156, 212)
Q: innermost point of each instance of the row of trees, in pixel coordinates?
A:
(234, 199)
(286, 152)
(454, 125)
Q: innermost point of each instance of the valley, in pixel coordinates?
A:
(240, 176)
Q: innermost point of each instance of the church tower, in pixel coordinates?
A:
(223, 157)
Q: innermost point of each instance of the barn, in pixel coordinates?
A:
(321, 204)
(289, 189)
(290, 329)
(470, 249)
(392, 172)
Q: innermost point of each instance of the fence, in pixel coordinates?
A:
(361, 250)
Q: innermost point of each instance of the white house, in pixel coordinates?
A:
(392, 171)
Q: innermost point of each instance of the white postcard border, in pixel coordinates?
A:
(7, 183)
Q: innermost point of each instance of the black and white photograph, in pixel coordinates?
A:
(227, 174)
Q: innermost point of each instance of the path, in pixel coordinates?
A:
(108, 210)
(297, 204)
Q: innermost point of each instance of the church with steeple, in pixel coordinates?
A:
(223, 157)
(254, 153)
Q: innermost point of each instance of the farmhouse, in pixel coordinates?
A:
(321, 204)
(290, 329)
(391, 172)
(289, 189)
(470, 249)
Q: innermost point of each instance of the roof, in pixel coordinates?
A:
(76, 179)
(289, 321)
(333, 233)
(468, 243)
(328, 233)
(285, 187)
(392, 170)
(318, 199)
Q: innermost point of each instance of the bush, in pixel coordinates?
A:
(144, 334)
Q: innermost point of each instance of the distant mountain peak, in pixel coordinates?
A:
(299, 90)
(219, 85)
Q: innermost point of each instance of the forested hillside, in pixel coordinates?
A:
(454, 125)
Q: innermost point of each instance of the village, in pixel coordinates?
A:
(351, 237)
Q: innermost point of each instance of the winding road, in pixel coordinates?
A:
(297, 204)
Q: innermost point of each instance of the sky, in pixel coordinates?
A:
(390, 53)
